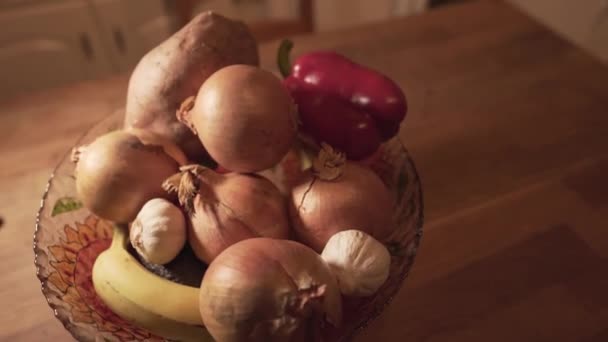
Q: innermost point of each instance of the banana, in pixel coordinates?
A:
(161, 306)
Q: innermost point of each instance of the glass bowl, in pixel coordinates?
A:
(68, 239)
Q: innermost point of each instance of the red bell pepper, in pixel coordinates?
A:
(349, 106)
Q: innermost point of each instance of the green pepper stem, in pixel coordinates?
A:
(283, 57)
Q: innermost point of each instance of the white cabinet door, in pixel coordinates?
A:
(149, 22)
(45, 44)
(130, 28)
(339, 14)
(328, 14)
(250, 10)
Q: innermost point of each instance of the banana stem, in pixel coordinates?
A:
(120, 236)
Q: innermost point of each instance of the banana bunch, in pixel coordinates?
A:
(139, 296)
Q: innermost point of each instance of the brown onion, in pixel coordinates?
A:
(269, 290)
(338, 195)
(119, 172)
(227, 208)
(244, 117)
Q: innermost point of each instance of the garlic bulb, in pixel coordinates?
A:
(158, 233)
(360, 262)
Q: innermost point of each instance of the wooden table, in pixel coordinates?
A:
(509, 129)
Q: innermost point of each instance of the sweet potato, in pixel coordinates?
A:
(176, 69)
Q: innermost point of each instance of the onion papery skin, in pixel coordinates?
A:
(269, 290)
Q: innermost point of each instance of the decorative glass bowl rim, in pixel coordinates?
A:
(373, 315)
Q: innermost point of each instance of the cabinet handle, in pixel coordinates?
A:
(86, 46)
(119, 41)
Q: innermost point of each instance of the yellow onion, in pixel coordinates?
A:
(119, 172)
(227, 208)
(269, 290)
(244, 117)
(337, 195)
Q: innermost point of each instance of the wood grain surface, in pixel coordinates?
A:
(509, 130)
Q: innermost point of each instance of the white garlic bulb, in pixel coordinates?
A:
(158, 233)
(360, 262)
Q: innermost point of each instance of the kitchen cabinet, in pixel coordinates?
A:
(130, 28)
(328, 15)
(46, 43)
(50, 43)
(338, 14)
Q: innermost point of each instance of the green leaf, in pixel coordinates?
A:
(66, 204)
(283, 57)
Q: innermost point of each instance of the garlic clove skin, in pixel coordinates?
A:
(158, 233)
(360, 263)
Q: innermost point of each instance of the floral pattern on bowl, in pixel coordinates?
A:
(68, 239)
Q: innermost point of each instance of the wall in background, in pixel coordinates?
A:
(583, 22)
